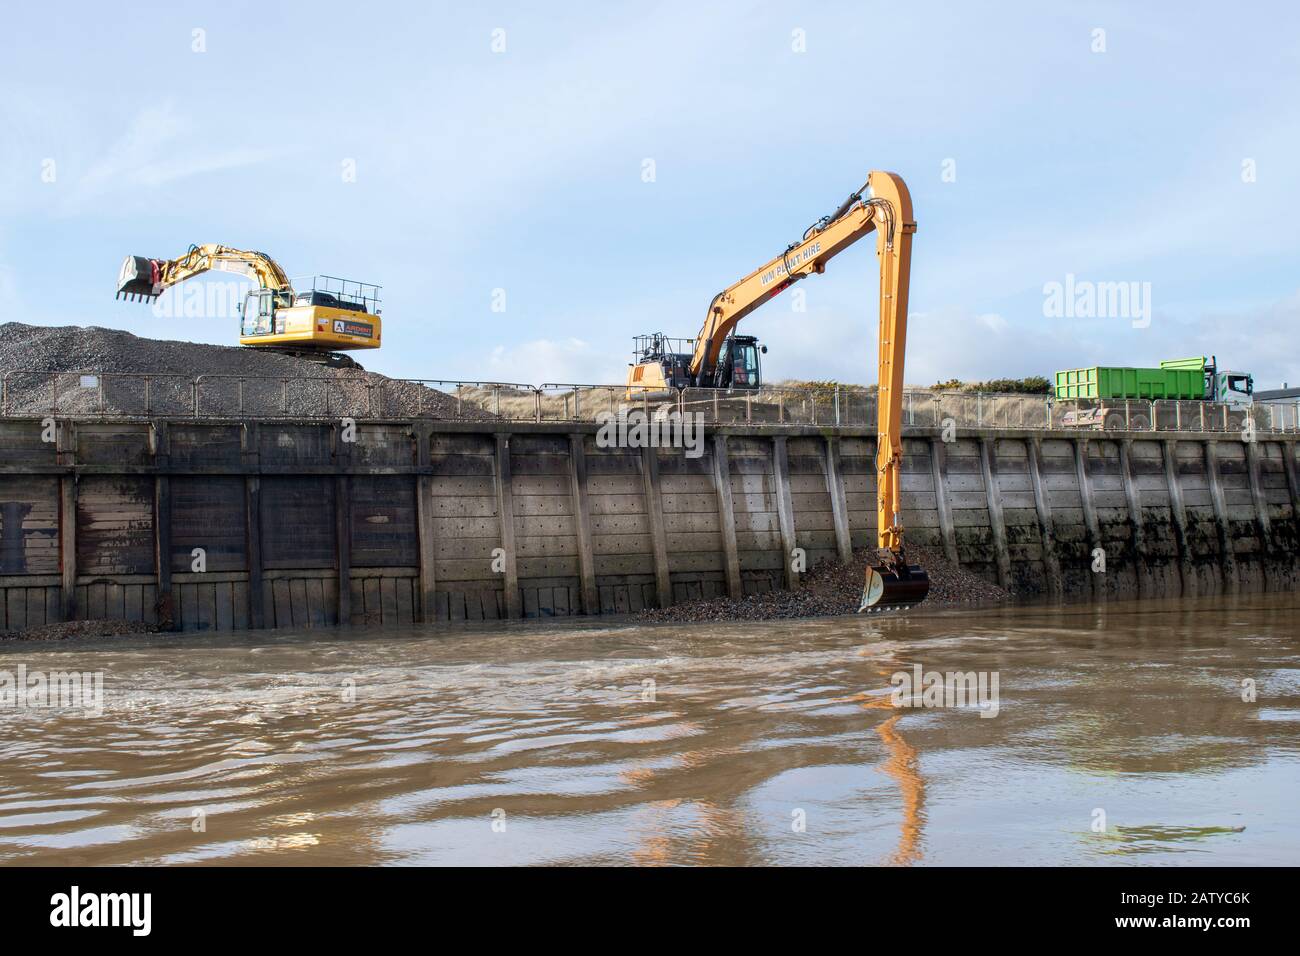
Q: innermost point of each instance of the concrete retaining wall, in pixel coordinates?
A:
(427, 521)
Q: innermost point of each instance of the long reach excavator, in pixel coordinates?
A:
(316, 321)
(718, 358)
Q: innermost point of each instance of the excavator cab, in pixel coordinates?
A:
(738, 363)
(258, 314)
(661, 363)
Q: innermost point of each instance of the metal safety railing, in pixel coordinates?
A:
(359, 394)
(343, 393)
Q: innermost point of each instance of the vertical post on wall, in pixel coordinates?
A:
(506, 511)
(65, 454)
(1046, 526)
(726, 516)
(1258, 498)
(938, 475)
(785, 508)
(1174, 488)
(839, 501)
(1227, 553)
(250, 458)
(654, 508)
(1134, 514)
(164, 602)
(424, 525)
(993, 496)
(582, 512)
(343, 544)
(68, 544)
(1292, 478)
(253, 548)
(1084, 468)
(162, 552)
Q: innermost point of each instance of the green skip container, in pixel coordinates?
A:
(1181, 379)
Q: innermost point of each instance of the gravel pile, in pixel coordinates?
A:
(836, 588)
(274, 384)
(60, 632)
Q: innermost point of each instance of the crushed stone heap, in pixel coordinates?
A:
(833, 588)
(274, 383)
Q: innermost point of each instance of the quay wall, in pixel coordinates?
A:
(421, 521)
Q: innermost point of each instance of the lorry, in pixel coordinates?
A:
(1103, 395)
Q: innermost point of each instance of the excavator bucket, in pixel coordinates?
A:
(892, 584)
(137, 279)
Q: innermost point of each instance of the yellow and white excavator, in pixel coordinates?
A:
(721, 359)
(317, 322)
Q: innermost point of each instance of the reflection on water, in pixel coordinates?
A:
(717, 743)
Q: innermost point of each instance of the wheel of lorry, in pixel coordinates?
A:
(1139, 423)
(1114, 422)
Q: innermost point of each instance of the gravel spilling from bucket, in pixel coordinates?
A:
(130, 375)
(836, 588)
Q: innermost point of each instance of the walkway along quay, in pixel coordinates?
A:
(243, 524)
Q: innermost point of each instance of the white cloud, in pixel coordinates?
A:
(569, 361)
(159, 147)
(836, 343)
(1257, 339)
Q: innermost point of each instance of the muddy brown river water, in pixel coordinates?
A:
(1118, 735)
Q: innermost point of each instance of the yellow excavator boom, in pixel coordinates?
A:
(147, 278)
(821, 242)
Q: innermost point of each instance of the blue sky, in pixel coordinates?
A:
(522, 170)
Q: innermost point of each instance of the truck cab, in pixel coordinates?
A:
(1234, 388)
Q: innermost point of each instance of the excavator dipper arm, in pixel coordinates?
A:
(890, 581)
(144, 278)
